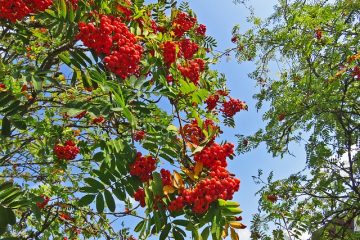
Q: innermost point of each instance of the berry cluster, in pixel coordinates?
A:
(18, 9)
(318, 34)
(183, 23)
(215, 155)
(211, 102)
(188, 48)
(45, 201)
(356, 72)
(231, 107)
(193, 133)
(169, 52)
(139, 196)
(166, 177)
(193, 69)
(113, 38)
(81, 115)
(139, 135)
(201, 30)
(220, 185)
(98, 120)
(143, 167)
(68, 151)
(125, 11)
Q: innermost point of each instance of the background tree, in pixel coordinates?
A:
(314, 99)
(94, 97)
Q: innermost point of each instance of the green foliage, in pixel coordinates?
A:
(56, 93)
(313, 97)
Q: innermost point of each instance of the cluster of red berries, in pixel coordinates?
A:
(219, 186)
(81, 115)
(231, 107)
(212, 101)
(272, 198)
(139, 196)
(193, 69)
(2, 86)
(188, 48)
(169, 52)
(113, 38)
(183, 23)
(18, 9)
(98, 120)
(143, 167)
(214, 155)
(192, 132)
(356, 72)
(166, 177)
(68, 151)
(125, 11)
(201, 30)
(318, 34)
(139, 135)
(45, 201)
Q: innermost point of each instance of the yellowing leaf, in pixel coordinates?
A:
(177, 181)
(198, 168)
(168, 189)
(225, 232)
(189, 173)
(237, 225)
(234, 235)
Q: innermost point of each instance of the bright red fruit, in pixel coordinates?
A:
(211, 102)
(139, 135)
(201, 30)
(169, 52)
(192, 70)
(166, 177)
(143, 167)
(188, 48)
(231, 107)
(139, 196)
(113, 38)
(68, 151)
(183, 23)
(44, 202)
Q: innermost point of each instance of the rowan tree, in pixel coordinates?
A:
(308, 62)
(106, 101)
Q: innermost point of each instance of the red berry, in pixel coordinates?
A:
(139, 196)
(183, 23)
(142, 167)
(201, 30)
(139, 135)
(231, 107)
(68, 151)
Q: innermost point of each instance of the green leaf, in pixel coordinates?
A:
(177, 234)
(11, 216)
(205, 233)
(100, 204)
(102, 177)
(119, 193)
(110, 202)
(94, 183)
(165, 232)
(6, 127)
(63, 8)
(86, 200)
(139, 226)
(156, 184)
